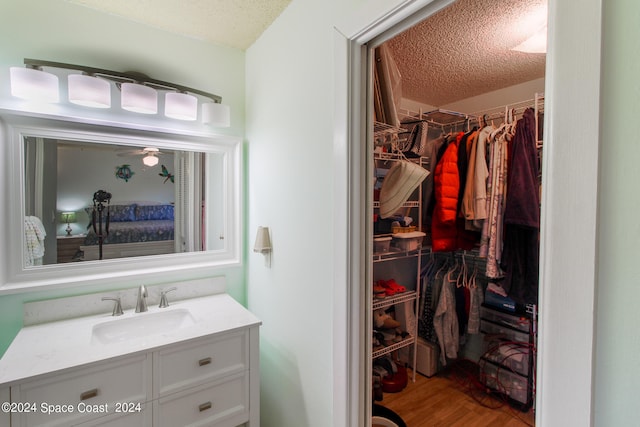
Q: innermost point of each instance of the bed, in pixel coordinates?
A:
(134, 230)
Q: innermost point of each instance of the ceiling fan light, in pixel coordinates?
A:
(150, 160)
(180, 106)
(139, 98)
(215, 114)
(34, 85)
(89, 91)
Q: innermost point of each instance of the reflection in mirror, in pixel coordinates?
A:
(87, 201)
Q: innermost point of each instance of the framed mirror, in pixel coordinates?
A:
(89, 199)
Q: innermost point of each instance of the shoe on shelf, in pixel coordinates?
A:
(379, 292)
(392, 286)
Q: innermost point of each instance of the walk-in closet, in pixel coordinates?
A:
(457, 118)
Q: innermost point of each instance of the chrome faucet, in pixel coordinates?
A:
(141, 305)
(163, 297)
(117, 307)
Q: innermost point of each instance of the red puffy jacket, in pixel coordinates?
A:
(447, 228)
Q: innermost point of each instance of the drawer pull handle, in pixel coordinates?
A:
(89, 394)
(205, 361)
(204, 406)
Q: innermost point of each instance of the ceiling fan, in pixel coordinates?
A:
(150, 155)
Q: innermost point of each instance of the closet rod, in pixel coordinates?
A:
(492, 113)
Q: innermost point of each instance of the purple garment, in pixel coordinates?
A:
(520, 256)
(522, 206)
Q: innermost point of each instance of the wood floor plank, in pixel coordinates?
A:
(449, 400)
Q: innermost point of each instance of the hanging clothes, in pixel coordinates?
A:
(491, 240)
(447, 229)
(481, 173)
(436, 149)
(445, 322)
(522, 215)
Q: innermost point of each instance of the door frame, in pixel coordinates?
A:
(568, 254)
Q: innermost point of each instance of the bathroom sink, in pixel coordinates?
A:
(141, 325)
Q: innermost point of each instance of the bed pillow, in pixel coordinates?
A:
(154, 212)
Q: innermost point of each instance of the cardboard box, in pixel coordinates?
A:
(427, 360)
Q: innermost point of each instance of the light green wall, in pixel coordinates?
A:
(55, 30)
(617, 361)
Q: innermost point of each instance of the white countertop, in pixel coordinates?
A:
(50, 347)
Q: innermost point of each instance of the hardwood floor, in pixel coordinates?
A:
(453, 398)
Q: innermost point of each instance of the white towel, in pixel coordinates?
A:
(34, 235)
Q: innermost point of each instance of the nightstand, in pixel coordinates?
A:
(68, 246)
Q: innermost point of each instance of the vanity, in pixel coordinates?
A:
(193, 363)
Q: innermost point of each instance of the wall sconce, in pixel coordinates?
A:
(181, 106)
(68, 217)
(138, 93)
(218, 115)
(263, 244)
(138, 98)
(34, 84)
(89, 91)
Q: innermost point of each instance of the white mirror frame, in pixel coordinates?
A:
(14, 126)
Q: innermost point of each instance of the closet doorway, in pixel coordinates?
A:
(565, 379)
(461, 68)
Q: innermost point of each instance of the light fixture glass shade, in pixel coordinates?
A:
(89, 91)
(150, 160)
(34, 85)
(537, 43)
(215, 114)
(139, 98)
(263, 241)
(180, 106)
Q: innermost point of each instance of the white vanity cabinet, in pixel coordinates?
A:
(203, 382)
(207, 377)
(71, 397)
(5, 396)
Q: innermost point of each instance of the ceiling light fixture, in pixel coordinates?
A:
(150, 160)
(138, 98)
(218, 115)
(33, 84)
(181, 106)
(89, 91)
(139, 93)
(537, 43)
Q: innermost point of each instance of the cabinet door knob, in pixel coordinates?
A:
(89, 394)
(205, 361)
(204, 406)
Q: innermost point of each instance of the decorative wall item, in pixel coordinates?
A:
(124, 172)
(166, 175)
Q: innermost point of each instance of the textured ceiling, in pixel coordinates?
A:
(464, 50)
(234, 23)
(460, 52)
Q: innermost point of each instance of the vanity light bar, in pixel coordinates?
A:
(138, 91)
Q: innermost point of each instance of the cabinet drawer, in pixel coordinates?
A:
(503, 332)
(126, 380)
(521, 323)
(224, 403)
(513, 355)
(200, 361)
(501, 380)
(134, 419)
(4, 416)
